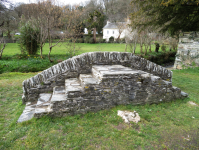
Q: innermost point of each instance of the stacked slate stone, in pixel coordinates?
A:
(82, 64)
(96, 81)
(188, 52)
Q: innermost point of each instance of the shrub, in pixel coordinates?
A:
(90, 33)
(161, 57)
(81, 40)
(122, 40)
(111, 39)
(91, 40)
(28, 39)
(101, 40)
(163, 47)
(86, 39)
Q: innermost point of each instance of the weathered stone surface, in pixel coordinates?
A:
(129, 116)
(184, 95)
(82, 64)
(188, 53)
(59, 90)
(58, 97)
(102, 87)
(44, 99)
(192, 103)
(28, 112)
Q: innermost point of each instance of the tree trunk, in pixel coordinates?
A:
(49, 55)
(141, 49)
(2, 34)
(94, 34)
(49, 40)
(146, 48)
(74, 49)
(118, 37)
(126, 48)
(134, 48)
(1, 52)
(8, 34)
(41, 49)
(150, 48)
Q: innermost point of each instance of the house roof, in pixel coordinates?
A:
(114, 25)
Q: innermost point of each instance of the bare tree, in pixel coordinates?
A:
(53, 14)
(73, 23)
(146, 43)
(131, 40)
(42, 35)
(117, 10)
(2, 46)
(121, 27)
(141, 39)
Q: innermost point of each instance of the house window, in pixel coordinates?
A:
(107, 32)
(113, 32)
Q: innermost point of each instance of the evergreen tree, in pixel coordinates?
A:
(166, 15)
(96, 20)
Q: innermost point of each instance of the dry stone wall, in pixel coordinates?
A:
(188, 52)
(106, 87)
(82, 64)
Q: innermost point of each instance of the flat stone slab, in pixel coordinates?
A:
(88, 79)
(58, 97)
(75, 88)
(71, 81)
(28, 112)
(44, 99)
(44, 109)
(59, 90)
(101, 71)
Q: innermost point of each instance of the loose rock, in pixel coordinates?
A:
(129, 116)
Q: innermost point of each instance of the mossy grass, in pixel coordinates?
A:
(172, 125)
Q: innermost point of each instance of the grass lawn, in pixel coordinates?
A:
(172, 125)
(13, 48)
(13, 62)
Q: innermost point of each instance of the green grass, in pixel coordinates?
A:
(13, 62)
(13, 48)
(162, 126)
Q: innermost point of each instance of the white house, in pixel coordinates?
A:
(115, 29)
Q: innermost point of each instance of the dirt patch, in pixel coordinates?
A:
(24, 137)
(121, 126)
(3, 99)
(136, 127)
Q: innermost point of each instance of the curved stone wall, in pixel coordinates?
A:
(82, 64)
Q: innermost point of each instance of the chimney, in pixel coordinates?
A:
(108, 22)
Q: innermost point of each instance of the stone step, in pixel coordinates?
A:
(59, 90)
(28, 112)
(43, 105)
(88, 80)
(73, 88)
(101, 72)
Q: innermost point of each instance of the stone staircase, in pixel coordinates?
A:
(106, 87)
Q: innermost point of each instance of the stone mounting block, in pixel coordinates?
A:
(96, 81)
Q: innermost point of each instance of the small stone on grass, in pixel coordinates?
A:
(128, 116)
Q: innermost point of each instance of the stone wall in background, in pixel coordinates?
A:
(188, 51)
(82, 64)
